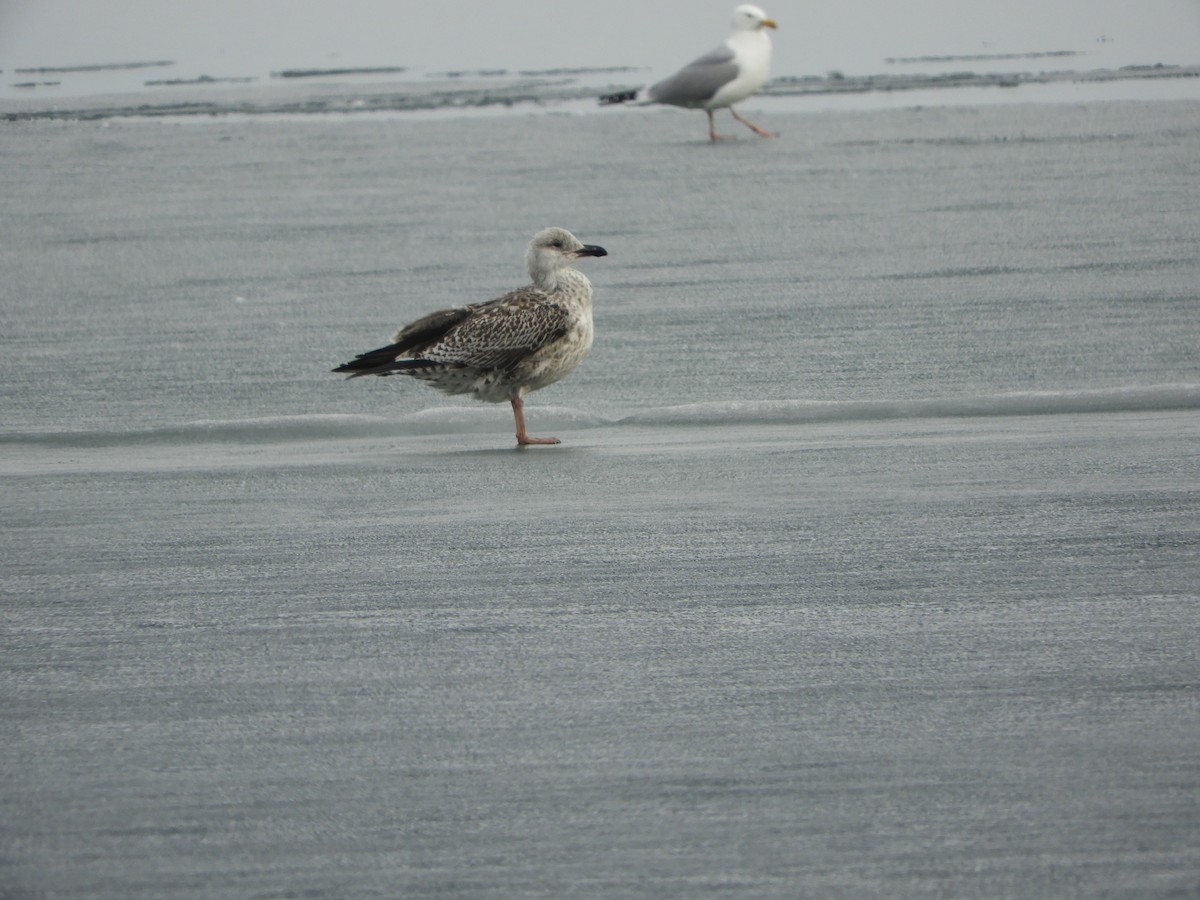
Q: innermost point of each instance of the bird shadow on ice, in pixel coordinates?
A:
(732, 141)
(487, 419)
(565, 449)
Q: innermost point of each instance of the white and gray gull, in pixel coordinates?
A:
(720, 78)
(504, 348)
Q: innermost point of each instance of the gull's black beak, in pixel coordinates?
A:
(590, 250)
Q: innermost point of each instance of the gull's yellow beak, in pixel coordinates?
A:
(769, 23)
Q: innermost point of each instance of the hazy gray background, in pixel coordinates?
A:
(251, 37)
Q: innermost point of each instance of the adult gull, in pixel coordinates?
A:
(720, 78)
(504, 348)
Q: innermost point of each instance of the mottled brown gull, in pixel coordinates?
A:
(504, 348)
(720, 78)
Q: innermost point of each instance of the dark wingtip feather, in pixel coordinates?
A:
(621, 97)
(381, 362)
(373, 362)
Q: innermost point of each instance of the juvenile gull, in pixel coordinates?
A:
(720, 78)
(504, 348)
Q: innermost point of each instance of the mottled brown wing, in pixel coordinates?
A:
(499, 334)
(409, 341)
(429, 329)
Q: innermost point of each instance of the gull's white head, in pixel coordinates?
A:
(553, 249)
(750, 18)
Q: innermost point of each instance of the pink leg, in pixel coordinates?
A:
(518, 405)
(712, 128)
(762, 132)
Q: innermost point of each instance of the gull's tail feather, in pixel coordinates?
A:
(381, 362)
(619, 97)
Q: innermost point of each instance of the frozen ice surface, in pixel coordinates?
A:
(868, 566)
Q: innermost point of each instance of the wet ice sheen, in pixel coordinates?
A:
(867, 567)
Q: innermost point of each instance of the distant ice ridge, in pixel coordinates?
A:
(280, 429)
(783, 412)
(77, 97)
(269, 429)
(493, 419)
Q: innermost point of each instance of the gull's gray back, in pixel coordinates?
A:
(696, 83)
